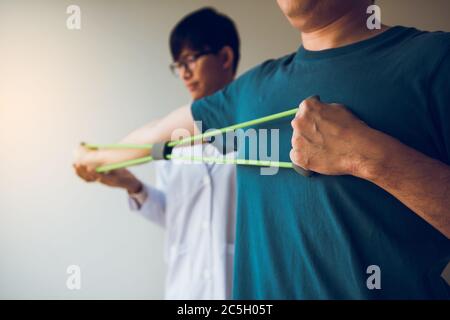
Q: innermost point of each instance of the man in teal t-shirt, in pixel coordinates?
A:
(374, 222)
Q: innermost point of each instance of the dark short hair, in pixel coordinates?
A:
(205, 29)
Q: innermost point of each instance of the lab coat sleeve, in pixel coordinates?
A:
(154, 206)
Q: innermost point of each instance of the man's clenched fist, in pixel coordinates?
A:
(328, 138)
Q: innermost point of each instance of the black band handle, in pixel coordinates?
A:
(161, 150)
(303, 172)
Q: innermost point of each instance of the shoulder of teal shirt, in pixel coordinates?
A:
(430, 52)
(220, 109)
(429, 47)
(437, 47)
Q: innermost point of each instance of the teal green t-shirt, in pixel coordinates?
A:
(317, 238)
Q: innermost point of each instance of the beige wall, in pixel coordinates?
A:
(430, 15)
(58, 87)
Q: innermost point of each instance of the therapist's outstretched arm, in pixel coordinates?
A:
(175, 124)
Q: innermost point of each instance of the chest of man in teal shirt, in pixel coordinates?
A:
(317, 238)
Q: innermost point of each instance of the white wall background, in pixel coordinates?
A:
(60, 87)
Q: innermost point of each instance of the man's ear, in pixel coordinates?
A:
(226, 55)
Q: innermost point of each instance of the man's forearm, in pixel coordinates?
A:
(161, 130)
(418, 181)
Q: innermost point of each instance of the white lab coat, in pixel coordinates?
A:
(195, 203)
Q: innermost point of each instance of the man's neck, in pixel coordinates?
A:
(347, 29)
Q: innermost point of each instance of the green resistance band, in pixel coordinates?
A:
(260, 163)
(164, 149)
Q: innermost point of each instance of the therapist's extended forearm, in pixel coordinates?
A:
(175, 123)
(418, 181)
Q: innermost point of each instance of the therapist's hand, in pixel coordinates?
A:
(87, 157)
(121, 178)
(329, 139)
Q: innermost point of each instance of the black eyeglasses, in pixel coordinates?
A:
(189, 63)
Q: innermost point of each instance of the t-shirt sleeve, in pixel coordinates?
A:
(440, 101)
(218, 110)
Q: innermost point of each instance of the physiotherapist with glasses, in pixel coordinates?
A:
(193, 201)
